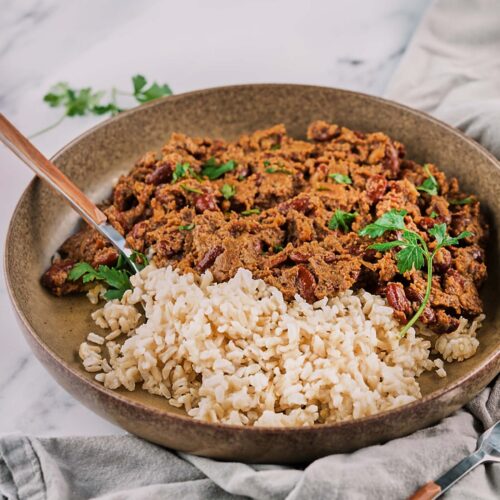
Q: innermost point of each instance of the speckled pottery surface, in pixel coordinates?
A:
(54, 327)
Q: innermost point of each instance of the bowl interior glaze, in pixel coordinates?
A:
(54, 327)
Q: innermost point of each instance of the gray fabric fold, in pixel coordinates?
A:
(452, 70)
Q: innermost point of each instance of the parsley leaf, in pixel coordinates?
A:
(86, 101)
(340, 178)
(463, 201)
(187, 227)
(276, 146)
(80, 269)
(342, 220)
(438, 231)
(139, 258)
(390, 221)
(117, 279)
(387, 245)
(412, 254)
(278, 170)
(252, 211)
(155, 91)
(213, 171)
(433, 215)
(430, 185)
(228, 191)
(277, 248)
(267, 163)
(180, 171)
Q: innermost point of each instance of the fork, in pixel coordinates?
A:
(488, 450)
(47, 171)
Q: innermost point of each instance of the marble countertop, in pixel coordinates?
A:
(189, 45)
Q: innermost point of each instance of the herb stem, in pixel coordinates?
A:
(429, 259)
(46, 129)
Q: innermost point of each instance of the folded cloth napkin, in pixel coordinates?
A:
(451, 69)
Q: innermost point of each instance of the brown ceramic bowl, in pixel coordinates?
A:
(54, 327)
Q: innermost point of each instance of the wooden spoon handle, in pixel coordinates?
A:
(427, 492)
(46, 170)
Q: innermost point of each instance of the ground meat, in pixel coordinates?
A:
(270, 211)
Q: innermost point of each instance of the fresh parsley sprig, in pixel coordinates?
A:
(252, 211)
(86, 101)
(340, 178)
(213, 170)
(342, 220)
(278, 170)
(228, 191)
(143, 94)
(430, 185)
(117, 278)
(413, 250)
(463, 201)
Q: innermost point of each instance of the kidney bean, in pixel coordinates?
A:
(306, 283)
(396, 297)
(427, 222)
(139, 230)
(161, 175)
(301, 204)
(428, 315)
(209, 258)
(442, 260)
(277, 259)
(376, 187)
(205, 202)
(391, 160)
(299, 257)
(105, 257)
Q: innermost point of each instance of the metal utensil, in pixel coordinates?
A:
(47, 171)
(488, 450)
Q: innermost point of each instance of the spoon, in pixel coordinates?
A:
(488, 450)
(47, 171)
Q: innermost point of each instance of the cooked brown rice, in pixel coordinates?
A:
(238, 353)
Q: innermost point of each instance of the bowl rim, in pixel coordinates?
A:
(120, 397)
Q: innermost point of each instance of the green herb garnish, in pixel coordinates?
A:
(278, 170)
(252, 211)
(117, 279)
(275, 146)
(187, 227)
(86, 101)
(228, 191)
(340, 178)
(181, 170)
(213, 171)
(139, 258)
(463, 201)
(277, 248)
(267, 163)
(191, 189)
(430, 184)
(414, 252)
(433, 214)
(143, 94)
(342, 220)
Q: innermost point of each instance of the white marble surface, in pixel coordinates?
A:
(190, 44)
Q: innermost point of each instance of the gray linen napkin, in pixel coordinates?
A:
(452, 70)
